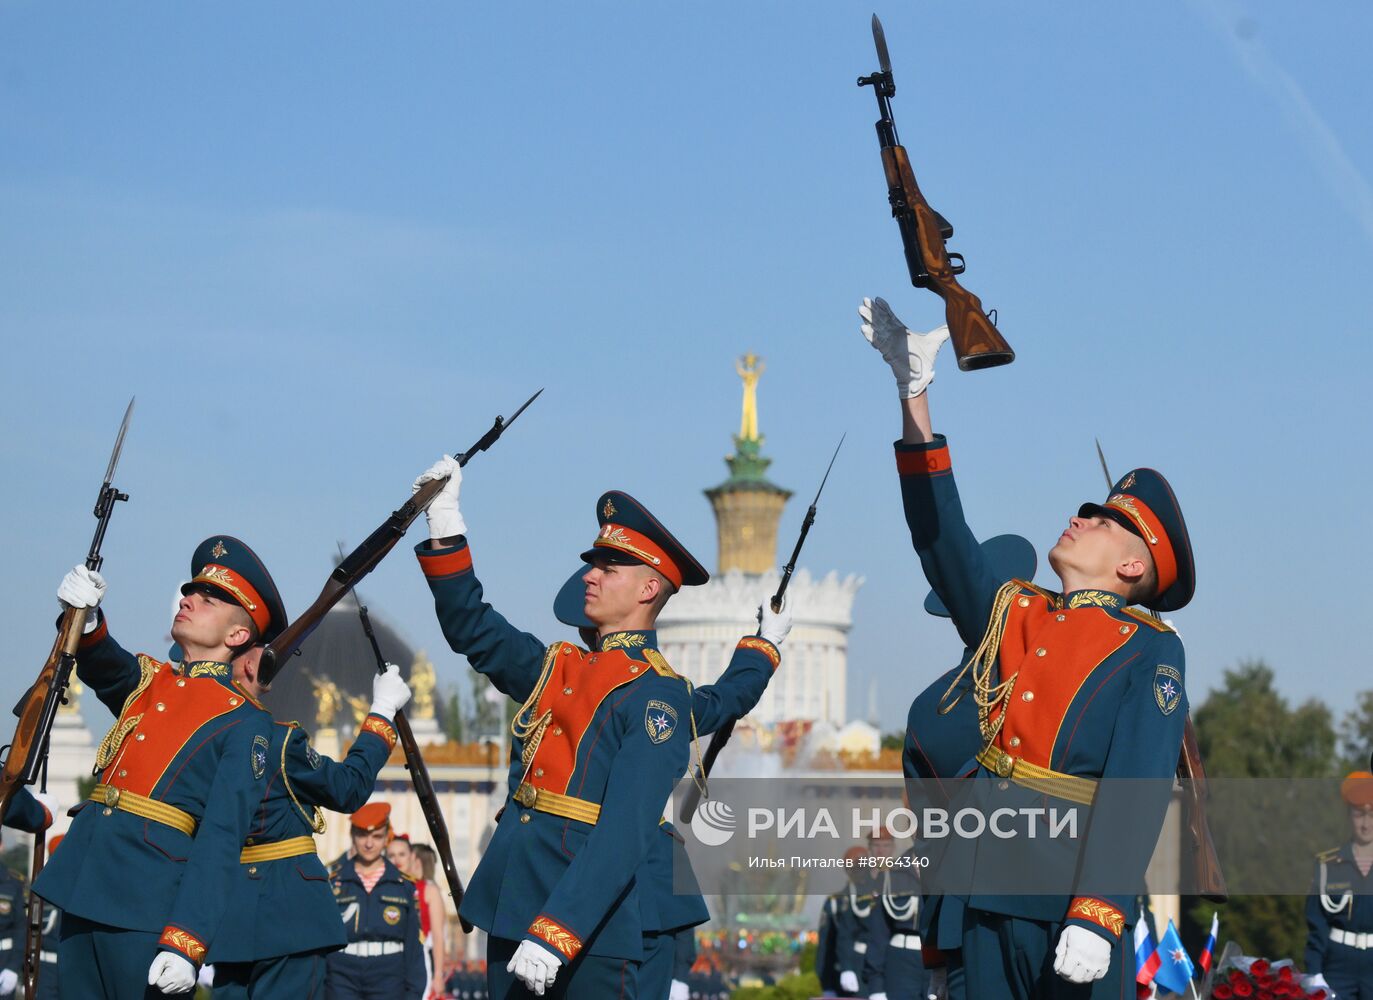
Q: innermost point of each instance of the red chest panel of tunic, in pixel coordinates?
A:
(164, 713)
(575, 686)
(1052, 652)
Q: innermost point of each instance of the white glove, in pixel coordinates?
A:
(910, 354)
(207, 976)
(171, 973)
(848, 981)
(939, 985)
(774, 625)
(1316, 982)
(878, 996)
(445, 519)
(1082, 956)
(9, 979)
(83, 588)
(48, 802)
(389, 693)
(535, 965)
(679, 991)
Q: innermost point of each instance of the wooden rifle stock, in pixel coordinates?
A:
(976, 339)
(1210, 880)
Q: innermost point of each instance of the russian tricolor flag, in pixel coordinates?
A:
(1147, 958)
(1204, 960)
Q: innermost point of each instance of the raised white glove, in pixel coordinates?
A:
(389, 693)
(910, 354)
(9, 979)
(48, 802)
(679, 991)
(774, 625)
(1081, 956)
(848, 981)
(83, 588)
(445, 519)
(939, 985)
(171, 973)
(535, 965)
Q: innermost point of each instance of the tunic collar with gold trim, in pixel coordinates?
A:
(633, 643)
(1091, 599)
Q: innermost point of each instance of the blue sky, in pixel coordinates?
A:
(324, 243)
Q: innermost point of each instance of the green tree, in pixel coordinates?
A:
(1356, 734)
(1246, 729)
(894, 740)
(453, 717)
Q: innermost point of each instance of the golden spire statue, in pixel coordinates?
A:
(422, 684)
(750, 368)
(328, 701)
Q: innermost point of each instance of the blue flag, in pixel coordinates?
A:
(1175, 968)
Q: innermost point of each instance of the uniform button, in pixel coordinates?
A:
(566, 650)
(592, 658)
(123, 773)
(1024, 602)
(1125, 630)
(107, 811)
(161, 707)
(1062, 618)
(524, 817)
(181, 683)
(1041, 651)
(633, 670)
(1015, 741)
(1028, 696)
(141, 737)
(252, 869)
(233, 701)
(557, 730)
(1003, 785)
(538, 772)
(567, 690)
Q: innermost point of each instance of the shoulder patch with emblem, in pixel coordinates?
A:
(259, 756)
(660, 719)
(1167, 688)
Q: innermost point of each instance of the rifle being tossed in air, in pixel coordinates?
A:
(27, 757)
(975, 337)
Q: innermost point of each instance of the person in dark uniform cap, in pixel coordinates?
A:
(893, 968)
(601, 737)
(146, 869)
(256, 954)
(384, 957)
(1073, 689)
(1339, 911)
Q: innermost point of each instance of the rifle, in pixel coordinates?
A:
(1191, 774)
(363, 559)
(27, 760)
(975, 337)
(692, 798)
(424, 788)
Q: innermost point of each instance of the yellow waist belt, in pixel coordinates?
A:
(140, 805)
(567, 806)
(1036, 778)
(275, 851)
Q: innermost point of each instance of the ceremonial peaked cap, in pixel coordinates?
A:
(1142, 502)
(1357, 788)
(630, 534)
(372, 816)
(231, 569)
(1009, 557)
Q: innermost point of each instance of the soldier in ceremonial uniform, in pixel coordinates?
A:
(1071, 689)
(1339, 911)
(255, 953)
(384, 957)
(827, 943)
(12, 930)
(148, 863)
(600, 739)
(893, 968)
(673, 905)
(850, 924)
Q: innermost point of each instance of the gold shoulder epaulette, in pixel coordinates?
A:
(1330, 854)
(659, 663)
(1048, 595)
(1147, 619)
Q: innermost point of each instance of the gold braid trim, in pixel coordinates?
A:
(697, 771)
(317, 821)
(983, 664)
(523, 726)
(114, 739)
(557, 935)
(1099, 912)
